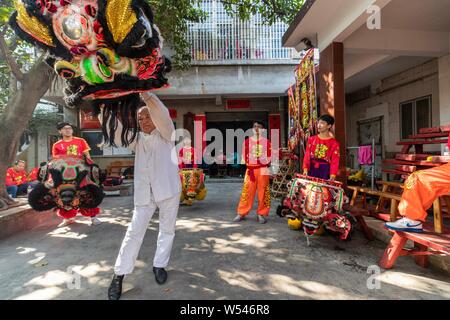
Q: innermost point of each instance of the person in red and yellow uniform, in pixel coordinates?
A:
(33, 175)
(186, 155)
(420, 190)
(70, 146)
(256, 153)
(16, 179)
(322, 152)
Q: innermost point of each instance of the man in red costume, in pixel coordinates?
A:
(256, 154)
(421, 189)
(186, 155)
(70, 146)
(322, 152)
(16, 179)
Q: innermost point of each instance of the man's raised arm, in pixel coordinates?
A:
(160, 116)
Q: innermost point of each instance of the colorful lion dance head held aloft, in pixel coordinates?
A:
(108, 51)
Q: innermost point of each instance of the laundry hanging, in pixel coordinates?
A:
(365, 155)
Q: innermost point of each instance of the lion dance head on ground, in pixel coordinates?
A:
(67, 184)
(318, 204)
(193, 185)
(107, 51)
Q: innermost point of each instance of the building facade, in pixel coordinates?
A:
(387, 63)
(240, 73)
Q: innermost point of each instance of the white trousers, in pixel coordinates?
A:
(168, 210)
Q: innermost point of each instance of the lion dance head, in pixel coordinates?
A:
(68, 184)
(193, 185)
(107, 51)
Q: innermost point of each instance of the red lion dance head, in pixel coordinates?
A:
(108, 51)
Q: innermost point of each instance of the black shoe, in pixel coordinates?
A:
(160, 275)
(115, 288)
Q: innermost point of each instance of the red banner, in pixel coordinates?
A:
(173, 113)
(238, 104)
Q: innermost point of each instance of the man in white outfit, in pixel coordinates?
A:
(156, 185)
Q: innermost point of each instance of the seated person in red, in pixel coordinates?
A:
(70, 146)
(322, 152)
(421, 189)
(32, 177)
(16, 179)
(186, 155)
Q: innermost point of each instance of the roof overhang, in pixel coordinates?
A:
(325, 21)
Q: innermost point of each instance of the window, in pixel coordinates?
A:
(94, 138)
(414, 115)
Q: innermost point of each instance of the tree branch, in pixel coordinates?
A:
(8, 58)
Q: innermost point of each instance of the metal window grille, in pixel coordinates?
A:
(222, 37)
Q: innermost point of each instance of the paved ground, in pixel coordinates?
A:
(212, 258)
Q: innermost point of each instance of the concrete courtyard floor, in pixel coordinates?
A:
(212, 258)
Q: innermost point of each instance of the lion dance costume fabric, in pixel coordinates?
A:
(108, 51)
(193, 185)
(318, 202)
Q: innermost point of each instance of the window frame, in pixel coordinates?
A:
(415, 130)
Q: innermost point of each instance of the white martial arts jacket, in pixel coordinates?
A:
(156, 161)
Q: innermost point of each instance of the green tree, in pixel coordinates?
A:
(25, 78)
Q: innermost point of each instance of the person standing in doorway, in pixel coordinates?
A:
(186, 155)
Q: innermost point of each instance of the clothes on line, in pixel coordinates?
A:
(365, 155)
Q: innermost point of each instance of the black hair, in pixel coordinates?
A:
(259, 122)
(327, 118)
(61, 125)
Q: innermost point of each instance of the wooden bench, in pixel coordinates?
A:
(389, 187)
(115, 168)
(425, 244)
(394, 198)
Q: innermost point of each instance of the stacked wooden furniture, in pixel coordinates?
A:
(406, 163)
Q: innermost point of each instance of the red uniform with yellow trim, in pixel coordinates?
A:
(15, 178)
(422, 188)
(73, 148)
(186, 158)
(257, 156)
(321, 151)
